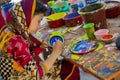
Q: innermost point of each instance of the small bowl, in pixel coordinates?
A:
(108, 38)
(99, 33)
(112, 9)
(73, 19)
(54, 38)
(56, 20)
(61, 7)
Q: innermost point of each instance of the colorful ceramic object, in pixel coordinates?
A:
(56, 20)
(73, 19)
(95, 13)
(84, 47)
(61, 7)
(112, 9)
(108, 38)
(53, 39)
(99, 33)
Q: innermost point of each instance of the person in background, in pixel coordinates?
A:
(19, 50)
(4, 1)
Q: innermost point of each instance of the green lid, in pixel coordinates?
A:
(88, 25)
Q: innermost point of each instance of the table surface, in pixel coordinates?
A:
(102, 63)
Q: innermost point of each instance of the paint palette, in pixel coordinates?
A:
(53, 39)
(84, 46)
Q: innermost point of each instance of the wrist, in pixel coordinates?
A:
(57, 53)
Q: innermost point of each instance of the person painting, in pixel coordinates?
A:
(19, 50)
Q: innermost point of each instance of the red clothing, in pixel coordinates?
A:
(19, 50)
(2, 22)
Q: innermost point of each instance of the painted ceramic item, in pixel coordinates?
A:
(99, 33)
(61, 7)
(95, 13)
(112, 9)
(84, 47)
(56, 20)
(53, 39)
(73, 19)
(108, 38)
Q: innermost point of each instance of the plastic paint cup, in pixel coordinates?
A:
(89, 29)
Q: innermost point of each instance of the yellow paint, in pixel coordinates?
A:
(56, 16)
(75, 57)
(100, 45)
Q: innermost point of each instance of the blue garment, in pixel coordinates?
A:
(1, 78)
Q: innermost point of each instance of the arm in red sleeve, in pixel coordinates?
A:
(18, 49)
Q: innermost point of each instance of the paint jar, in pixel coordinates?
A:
(61, 7)
(89, 29)
(74, 7)
(51, 3)
(95, 13)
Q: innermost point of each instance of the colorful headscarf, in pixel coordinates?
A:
(29, 9)
(23, 13)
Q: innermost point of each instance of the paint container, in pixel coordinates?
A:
(56, 20)
(95, 13)
(99, 33)
(73, 19)
(108, 38)
(54, 38)
(61, 7)
(112, 9)
(89, 29)
(51, 3)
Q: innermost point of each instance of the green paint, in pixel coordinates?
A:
(89, 29)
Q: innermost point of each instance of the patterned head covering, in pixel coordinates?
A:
(22, 13)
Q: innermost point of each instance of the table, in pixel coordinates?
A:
(101, 63)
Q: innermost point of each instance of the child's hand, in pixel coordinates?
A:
(58, 47)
